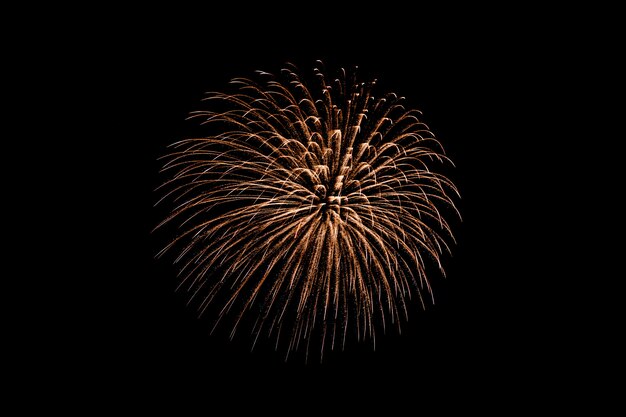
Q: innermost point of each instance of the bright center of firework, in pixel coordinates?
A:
(334, 203)
(328, 197)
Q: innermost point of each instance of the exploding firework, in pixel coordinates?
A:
(310, 207)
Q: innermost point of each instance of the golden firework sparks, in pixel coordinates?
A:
(308, 205)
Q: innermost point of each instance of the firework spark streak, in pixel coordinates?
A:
(310, 207)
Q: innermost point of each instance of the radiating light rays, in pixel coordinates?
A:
(310, 207)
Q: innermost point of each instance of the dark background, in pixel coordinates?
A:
(476, 84)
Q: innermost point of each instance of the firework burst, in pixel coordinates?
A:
(310, 207)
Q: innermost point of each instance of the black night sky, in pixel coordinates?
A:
(467, 82)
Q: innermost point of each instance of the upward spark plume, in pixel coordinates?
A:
(309, 207)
